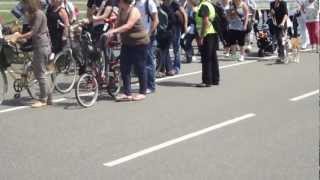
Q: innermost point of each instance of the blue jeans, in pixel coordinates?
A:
(165, 60)
(150, 65)
(188, 47)
(176, 32)
(136, 56)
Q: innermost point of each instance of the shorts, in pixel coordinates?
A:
(236, 37)
(225, 38)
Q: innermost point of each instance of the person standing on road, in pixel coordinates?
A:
(149, 13)
(225, 7)
(238, 22)
(58, 23)
(191, 32)
(135, 40)
(303, 31)
(41, 49)
(97, 12)
(311, 10)
(208, 43)
(279, 14)
(178, 17)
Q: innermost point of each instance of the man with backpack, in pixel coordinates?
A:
(177, 18)
(208, 42)
(149, 12)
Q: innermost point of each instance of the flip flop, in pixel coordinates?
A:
(123, 98)
(139, 97)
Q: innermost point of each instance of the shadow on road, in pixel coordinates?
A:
(176, 84)
(24, 101)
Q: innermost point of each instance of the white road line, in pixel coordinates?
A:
(16, 2)
(305, 95)
(7, 11)
(157, 80)
(177, 140)
(198, 72)
(25, 107)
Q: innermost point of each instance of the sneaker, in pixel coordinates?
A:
(171, 73)
(227, 54)
(203, 85)
(38, 104)
(241, 58)
(160, 75)
(149, 91)
(234, 57)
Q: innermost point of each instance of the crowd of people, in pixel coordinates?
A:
(147, 25)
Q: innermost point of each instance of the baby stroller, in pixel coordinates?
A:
(263, 33)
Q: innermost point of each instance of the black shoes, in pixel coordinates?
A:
(203, 85)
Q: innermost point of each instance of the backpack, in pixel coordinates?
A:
(163, 20)
(164, 34)
(219, 21)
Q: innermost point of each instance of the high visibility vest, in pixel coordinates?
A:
(210, 29)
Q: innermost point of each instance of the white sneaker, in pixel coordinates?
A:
(241, 58)
(249, 47)
(234, 57)
(227, 54)
(149, 91)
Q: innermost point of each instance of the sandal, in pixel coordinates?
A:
(38, 104)
(139, 97)
(123, 98)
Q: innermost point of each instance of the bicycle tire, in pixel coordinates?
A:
(33, 87)
(87, 81)
(3, 85)
(64, 77)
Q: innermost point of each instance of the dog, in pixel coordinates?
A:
(295, 46)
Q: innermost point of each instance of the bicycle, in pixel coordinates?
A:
(16, 62)
(66, 61)
(104, 74)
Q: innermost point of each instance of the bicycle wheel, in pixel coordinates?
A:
(33, 87)
(87, 90)
(66, 71)
(114, 85)
(3, 85)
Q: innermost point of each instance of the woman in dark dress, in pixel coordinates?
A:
(58, 23)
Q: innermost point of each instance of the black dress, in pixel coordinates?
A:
(55, 29)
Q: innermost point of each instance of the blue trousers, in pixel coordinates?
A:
(133, 56)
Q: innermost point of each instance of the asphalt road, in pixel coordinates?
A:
(247, 128)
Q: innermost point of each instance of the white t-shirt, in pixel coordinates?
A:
(147, 21)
